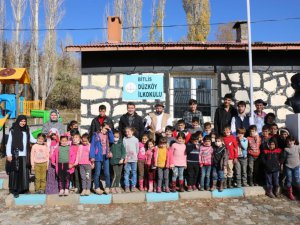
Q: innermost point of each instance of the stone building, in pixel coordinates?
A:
(205, 71)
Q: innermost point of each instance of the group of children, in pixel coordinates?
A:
(190, 158)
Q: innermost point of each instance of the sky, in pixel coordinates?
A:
(90, 13)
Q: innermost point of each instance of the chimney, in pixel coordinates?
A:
(114, 29)
(241, 28)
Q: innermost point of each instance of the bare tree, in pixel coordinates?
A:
(53, 15)
(2, 25)
(152, 29)
(34, 47)
(225, 32)
(18, 9)
(133, 20)
(119, 8)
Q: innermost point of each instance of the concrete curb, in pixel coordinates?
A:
(137, 197)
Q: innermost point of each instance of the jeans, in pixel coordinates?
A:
(130, 166)
(241, 170)
(163, 174)
(272, 179)
(98, 166)
(177, 172)
(85, 174)
(253, 164)
(217, 173)
(205, 173)
(292, 173)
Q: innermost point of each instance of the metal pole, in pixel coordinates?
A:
(250, 61)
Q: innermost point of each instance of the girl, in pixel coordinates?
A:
(18, 156)
(149, 164)
(39, 163)
(117, 160)
(179, 157)
(141, 161)
(85, 166)
(75, 179)
(291, 159)
(52, 180)
(205, 160)
(271, 160)
(220, 160)
(61, 158)
(131, 144)
(163, 160)
(100, 154)
(72, 128)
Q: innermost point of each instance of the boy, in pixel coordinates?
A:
(193, 168)
(195, 125)
(254, 142)
(169, 135)
(232, 148)
(241, 164)
(207, 129)
(181, 128)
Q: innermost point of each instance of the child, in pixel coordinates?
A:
(270, 119)
(274, 130)
(39, 158)
(207, 129)
(193, 168)
(60, 159)
(163, 160)
(75, 180)
(253, 154)
(291, 159)
(282, 139)
(131, 144)
(72, 128)
(85, 166)
(169, 135)
(141, 161)
(149, 164)
(205, 160)
(52, 180)
(220, 161)
(195, 125)
(213, 137)
(117, 161)
(181, 129)
(232, 148)
(241, 164)
(179, 156)
(271, 160)
(100, 154)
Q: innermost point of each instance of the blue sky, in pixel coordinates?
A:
(90, 13)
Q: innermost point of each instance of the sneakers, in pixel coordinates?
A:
(106, 191)
(202, 189)
(87, 192)
(189, 189)
(61, 192)
(83, 192)
(127, 190)
(66, 193)
(158, 190)
(134, 189)
(98, 191)
(194, 187)
(167, 190)
(113, 190)
(118, 190)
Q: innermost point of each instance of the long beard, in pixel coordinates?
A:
(158, 113)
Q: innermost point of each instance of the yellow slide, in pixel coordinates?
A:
(3, 120)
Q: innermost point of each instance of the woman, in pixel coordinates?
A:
(53, 124)
(18, 156)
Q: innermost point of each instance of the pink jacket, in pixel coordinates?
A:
(206, 155)
(142, 153)
(72, 158)
(179, 154)
(83, 155)
(170, 161)
(149, 156)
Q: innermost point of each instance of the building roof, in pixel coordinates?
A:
(160, 46)
(13, 75)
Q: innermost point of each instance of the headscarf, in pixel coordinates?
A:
(17, 135)
(56, 112)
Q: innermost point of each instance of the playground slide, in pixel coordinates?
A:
(3, 120)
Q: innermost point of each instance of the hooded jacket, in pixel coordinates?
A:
(96, 145)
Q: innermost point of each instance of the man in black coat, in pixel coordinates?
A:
(132, 119)
(224, 114)
(98, 121)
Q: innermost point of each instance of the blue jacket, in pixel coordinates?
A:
(96, 145)
(243, 145)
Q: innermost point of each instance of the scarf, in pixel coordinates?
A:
(17, 133)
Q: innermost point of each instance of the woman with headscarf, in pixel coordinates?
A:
(18, 156)
(53, 125)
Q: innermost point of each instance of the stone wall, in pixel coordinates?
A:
(106, 89)
(272, 87)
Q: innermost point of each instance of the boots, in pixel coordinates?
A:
(222, 184)
(290, 193)
(181, 185)
(141, 185)
(173, 186)
(150, 186)
(251, 181)
(238, 183)
(229, 182)
(214, 184)
(269, 193)
(276, 191)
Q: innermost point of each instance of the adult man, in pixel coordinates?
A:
(241, 120)
(98, 121)
(132, 119)
(192, 112)
(157, 121)
(259, 115)
(224, 114)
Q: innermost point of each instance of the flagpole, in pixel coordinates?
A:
(250, 61)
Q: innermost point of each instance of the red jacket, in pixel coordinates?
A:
(187, 135)
(231, 146)
(253, 146)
